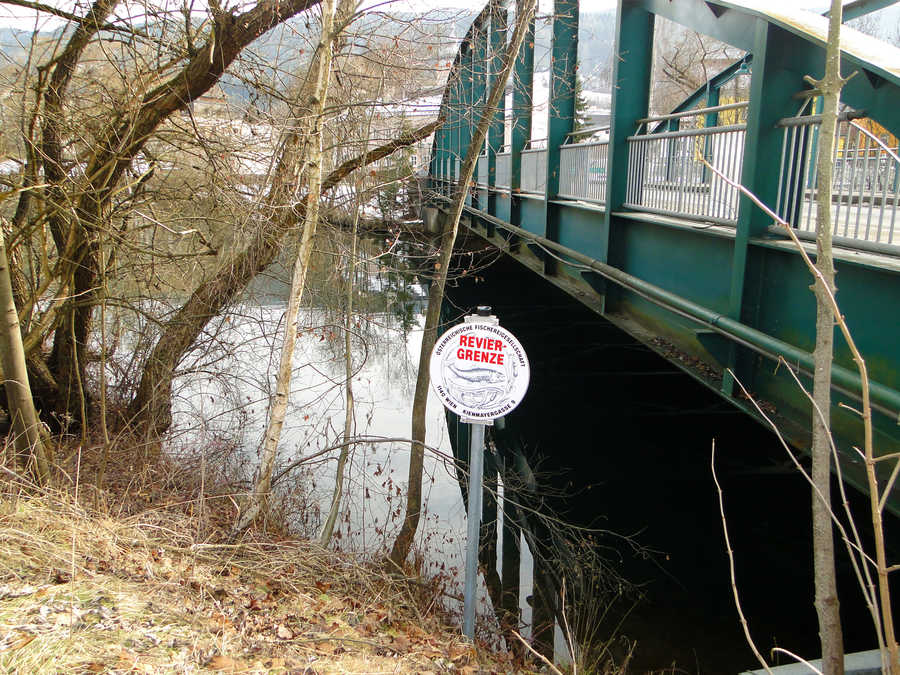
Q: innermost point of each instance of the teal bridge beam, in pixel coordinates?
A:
(637, 226)
(854, 10)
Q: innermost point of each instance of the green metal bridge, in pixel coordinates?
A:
(632, 222)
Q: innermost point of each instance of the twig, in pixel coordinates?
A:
(798, 659)
(331, 638)
(734, 588)
(538, 654)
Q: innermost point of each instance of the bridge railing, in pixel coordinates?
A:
(481, 174)
(534, 168)
(503, 179)
(582, 168)
(865, 183)
(667, 173)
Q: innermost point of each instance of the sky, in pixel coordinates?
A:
(17, 17)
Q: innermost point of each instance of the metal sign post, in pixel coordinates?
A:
(480, 372)
(473, 525)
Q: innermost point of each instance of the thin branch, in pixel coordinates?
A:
(728, 549)
(543, 658)
(798, 659)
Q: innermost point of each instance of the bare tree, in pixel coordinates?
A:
(827, 606)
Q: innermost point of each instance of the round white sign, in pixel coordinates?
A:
(479, 370)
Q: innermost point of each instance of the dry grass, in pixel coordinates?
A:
(134, 589)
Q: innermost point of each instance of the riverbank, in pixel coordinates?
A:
(141, 579)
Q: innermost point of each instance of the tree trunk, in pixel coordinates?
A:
(258, 501)
(827, 605)
(403, 542)
(25, 426)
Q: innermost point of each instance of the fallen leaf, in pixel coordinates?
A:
(402, 643)
(222, 662)
(60, 577)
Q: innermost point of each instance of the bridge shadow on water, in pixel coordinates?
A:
(620, 439)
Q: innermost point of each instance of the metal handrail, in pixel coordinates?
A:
(586, 145)
(695, 111)
(705, 131)
(805, 120)
(589, 130)
(884, 146)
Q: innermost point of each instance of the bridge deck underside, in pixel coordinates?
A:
(693, 262)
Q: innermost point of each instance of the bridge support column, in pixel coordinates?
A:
(479, 86)
(456, 112)
(561, 114)
(762, 147)
(523, 87)
(633, 64)
(496, 132)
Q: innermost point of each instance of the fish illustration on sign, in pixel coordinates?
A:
(476, 375)
(477, 387)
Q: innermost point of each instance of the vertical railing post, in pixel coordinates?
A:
(523, 88)
(671, 149)
(561, 114)
(819, 106)
(496, 131)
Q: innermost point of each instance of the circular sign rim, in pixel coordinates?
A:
(510, 400)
